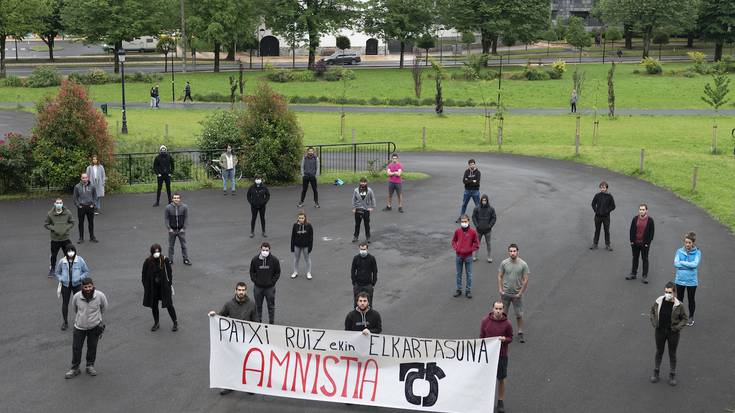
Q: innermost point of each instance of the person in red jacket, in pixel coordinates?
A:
(465, 243)
(496, 324)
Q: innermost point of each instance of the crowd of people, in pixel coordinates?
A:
(667, 315)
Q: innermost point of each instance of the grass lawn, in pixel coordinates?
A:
(632, 90)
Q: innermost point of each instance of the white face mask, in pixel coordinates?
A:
(156, 254)
(258, 181)
(465, 224)
(265, 254)
(59, 206)
(70, 254)
(668, 296)
(363, 253)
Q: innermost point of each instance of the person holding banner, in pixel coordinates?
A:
(496, 324)
(265, 269)
(363, 318)
(512, 283)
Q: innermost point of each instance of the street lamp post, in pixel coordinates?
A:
(173, 88)
(121, 58)
(260, 47)
(500, 78)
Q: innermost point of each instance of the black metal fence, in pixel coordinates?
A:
(354, 157)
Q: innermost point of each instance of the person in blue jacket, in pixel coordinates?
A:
(686, 263)
(70, 271)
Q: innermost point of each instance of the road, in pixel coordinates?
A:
(589, 343)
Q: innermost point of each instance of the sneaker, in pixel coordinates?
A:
(400, 209)
(252, 234)
(299, 205)
(368, 240)
(387, 208)
(521, 338)
(501, 408)
(490, 260)
(672, 380)
(608, 247)
(316, 206)
(690, 323)
(96, 212)
(233, 193)
(354, 239)
(468, 294)
(457, 293)
(308, 276)
(175, 326)
(155, 205)
(64, 326)
(51, 273)
(186, 261)
(631, 277)
(72, 373)
(80, 241)
(593, 247)
(155, 327)
(655, 377)
(224, 193)
(294, 275)
(94, 240)
(644, 280)
(91, 371)
(456, 221)
(225, 391)
(474, 259)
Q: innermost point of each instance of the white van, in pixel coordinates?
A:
(141, 44)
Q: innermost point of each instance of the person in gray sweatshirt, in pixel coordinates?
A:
(309, 172)
(85, 199)
(175, 220)
(89, 306)
(363, 203)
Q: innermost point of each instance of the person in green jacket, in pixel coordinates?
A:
(59, 222)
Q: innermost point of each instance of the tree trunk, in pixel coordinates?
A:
(2, 56)
(231, 51)
(485, 40)
(403, 48)
(165, 62)
(718, 50)
(250, 55)
(580, 55)
(49, 40)
(118, 46)
(628, 34)
(217, 46)
(646, 42)
(427, 57)
(690, 40)
(494, 44)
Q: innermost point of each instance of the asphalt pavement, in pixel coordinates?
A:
(16, 121)
(590, 345)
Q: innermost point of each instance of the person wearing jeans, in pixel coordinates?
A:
(85, 198)
(265, 270)
(302, 241)
(464, 243)
(363, 203)
(89, 306)
(471, 181)
(686, 263)
(668, 318)
(309, 171)
(70, 271)
(97, 178)
(641, 235)
(228, 163)
(603, 204)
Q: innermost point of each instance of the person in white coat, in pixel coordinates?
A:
(97, 178)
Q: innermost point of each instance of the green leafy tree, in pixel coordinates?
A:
(717, 23)
(402, 20)
(611, 91)
(612, 35)
(343, 42)
(577, 36)
(468, 38)
(660, 37)
(549, 35)
(426, 42)
(166, 45)
(15, 20)
(439, 75)
(716, 97)
(46, 22)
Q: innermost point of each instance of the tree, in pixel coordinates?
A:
(644, 16)
(311, 17)
(166, 45)
(439, 75)
(577, 36)
(611, 91)
(113, 22)
(47, 23)
(426, 42)
(660, 37)
(549, 35)
(468, 38)
(401, 20)
(612, 35)
(343, 42)
(14, 21)
(716, 97)
(717, 23)
(417, 74)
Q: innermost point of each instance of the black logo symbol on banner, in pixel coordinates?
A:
(410, 372)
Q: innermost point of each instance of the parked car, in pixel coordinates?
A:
(338, 58)
(140, 44)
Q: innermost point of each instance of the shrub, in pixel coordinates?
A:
(281, 75)
(96, 77)
(537, 73)
(320, 68)
(378, 101)
(305, 76)
(219, 129)
(16, 162)
(553, 74)
(211, 97)
(44, 76)
(559, 66)
(13, 81)
(652, 66)
(338, 74)
(68, 131)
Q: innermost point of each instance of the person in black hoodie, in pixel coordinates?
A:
(157, 277)
(302, 241)
(603, 204)
(363, 318)
(265, 269)
(641, 235)
(364, 273)
(471, 181)
(258, 196)
(483, 218)
(163, 166)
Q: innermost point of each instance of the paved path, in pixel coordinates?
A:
(16, 121)
(590, 344)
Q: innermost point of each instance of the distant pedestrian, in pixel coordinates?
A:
(157, 278)
(157, 94)
(228, 165)
(363, 203)
(641, 236)
(394, 170)
(483, 218)
(496, 324)
(265, 270)
(464, 243)
(97, 178)
(668, 318)
(686, 264)
(59, 222)
(471, 181)
(187, 92)
(175, 219)
(302, 241)
(89, 306)
(70, 271)
(153, 97)
(602, 204)
(363, 273)
(258, 197)
(620, 55)
(163, 166)
(240, 307)
(85, 198)
(512, 284)
(310, 169)
(573, 100)
(363, 318)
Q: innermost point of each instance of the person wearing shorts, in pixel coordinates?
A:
(512, 284)
(395, 182)
(496, 324)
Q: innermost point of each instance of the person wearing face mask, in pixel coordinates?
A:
(668, 318)
(364, 273)
(471, 181)
(163, 166)
(228, 163)
(641, 235)
(464, 243)
(686, 264)
(89, 305)
(363, 203)
(59, 222)
(85, 198)
(496, 324)
(512, 284)
(157, 278)
(603, 204)
(483, 218)
(302, 241)
(258, 196)
(309, 171)
(265, 270)
(363, 318)
(175, 218)
(97, 178)
(70, 271)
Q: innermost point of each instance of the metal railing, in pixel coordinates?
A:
(355, 157)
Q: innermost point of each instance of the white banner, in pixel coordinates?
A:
(438, 375)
